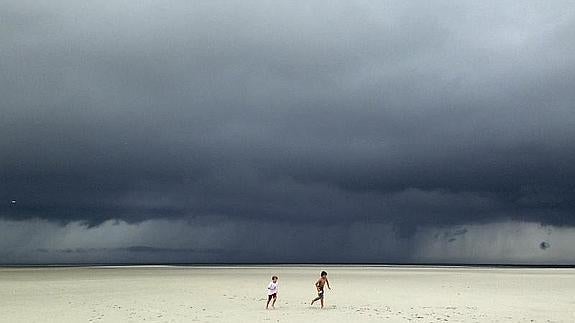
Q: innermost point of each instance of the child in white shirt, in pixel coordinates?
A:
(272, 291)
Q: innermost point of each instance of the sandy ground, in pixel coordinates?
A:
(237, 294)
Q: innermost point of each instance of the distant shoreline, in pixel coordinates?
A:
(383, 265)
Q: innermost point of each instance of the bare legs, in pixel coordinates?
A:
(319, 297)
(269, 299)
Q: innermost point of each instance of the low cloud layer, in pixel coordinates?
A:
(232, 241)
(387, 114)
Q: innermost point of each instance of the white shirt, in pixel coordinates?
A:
(272, 288)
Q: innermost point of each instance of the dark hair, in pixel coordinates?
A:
(323, 273)
(276, 277)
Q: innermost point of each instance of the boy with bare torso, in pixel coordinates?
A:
(322, 281)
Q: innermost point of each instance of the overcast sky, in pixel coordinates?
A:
(326, 131)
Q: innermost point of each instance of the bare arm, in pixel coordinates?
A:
(327, 282)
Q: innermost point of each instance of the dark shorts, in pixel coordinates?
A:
(274, 295)
(320, 294)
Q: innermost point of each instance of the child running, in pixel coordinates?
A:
(319, 285)
(272, 291)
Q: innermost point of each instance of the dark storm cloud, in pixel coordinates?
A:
(451, 235)
(407, 113)
(132, 249)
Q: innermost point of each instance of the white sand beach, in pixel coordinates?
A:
(237, 294)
